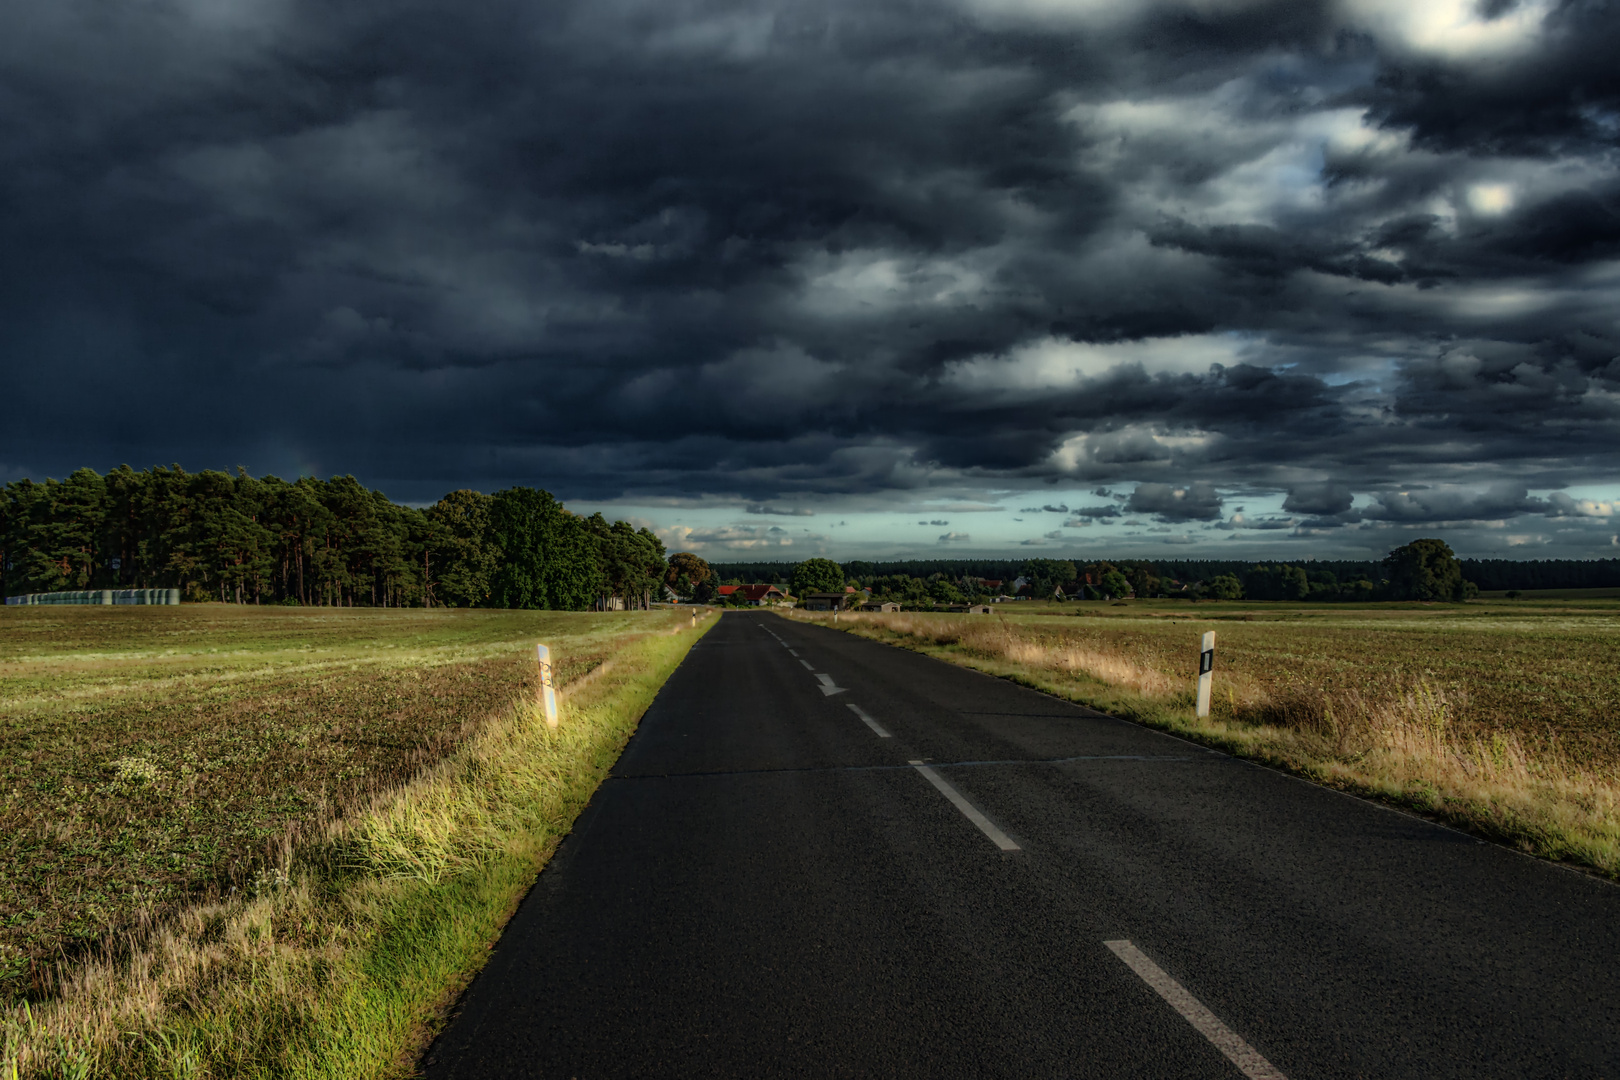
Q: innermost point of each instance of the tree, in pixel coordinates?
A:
(1426, 570)
(459, 560)
(690, 576)
(1114, 584)
(817, 575)
(1045, 575)
(1275, 583)
(548, 556)
(1225, 587)
(630, 562)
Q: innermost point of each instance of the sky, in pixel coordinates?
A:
(1071, 278)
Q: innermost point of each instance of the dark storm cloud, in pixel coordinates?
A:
(781, 253)
(1324, 500)
(1168, 503)
(1500, 501)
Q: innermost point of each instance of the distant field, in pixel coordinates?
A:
(1529, 665)
(1555, 594)
(148, 755)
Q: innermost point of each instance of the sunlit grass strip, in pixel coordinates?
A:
(340, 962)
(1403, 744)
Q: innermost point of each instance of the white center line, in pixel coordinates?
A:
(791, 651)
(808, 666)
(1227, 1041)
(969, 811)
(871, 723)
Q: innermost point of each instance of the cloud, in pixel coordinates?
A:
(728, 538)
(1498, 501)
(1084, 515)
(1188, 502)
(1322, 500)
(1562, 505)
(939, 259)
(1240, 520)
(954, 538)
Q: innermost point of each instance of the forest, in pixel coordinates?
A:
(951, 581)
(247, 540)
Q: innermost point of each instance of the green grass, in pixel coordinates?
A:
(362, 901)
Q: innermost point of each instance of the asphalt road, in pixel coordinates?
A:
(766, 887)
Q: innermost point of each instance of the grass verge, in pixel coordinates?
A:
(340, 958)
(1375, 723)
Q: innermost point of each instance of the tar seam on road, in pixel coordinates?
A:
(1227, 1041)
(969, 811)
(871, 723)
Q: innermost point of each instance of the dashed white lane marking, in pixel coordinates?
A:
(808, 666)
(871, 723)
(1227, 1041)
(969, 811)
(791, 652)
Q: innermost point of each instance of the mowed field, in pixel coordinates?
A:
(1501, 716)
(153, 756)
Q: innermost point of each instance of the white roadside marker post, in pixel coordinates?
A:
(548, 692)
(1206, 672)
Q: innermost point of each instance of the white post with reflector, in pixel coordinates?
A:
(548, 692)
(1206, 672)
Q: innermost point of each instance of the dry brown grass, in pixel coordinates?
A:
(1420, 711)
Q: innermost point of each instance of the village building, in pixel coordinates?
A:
(756, 595)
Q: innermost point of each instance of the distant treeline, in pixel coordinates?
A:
(781, 573)
(1262, 579)
(324, 542)
(1495, 574)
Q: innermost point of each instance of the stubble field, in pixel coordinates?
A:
(151, 757)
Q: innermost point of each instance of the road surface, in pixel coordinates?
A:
(821, 856)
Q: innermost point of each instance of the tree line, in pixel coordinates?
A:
(1423, 570)
(335, 542)
(1262, 579)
